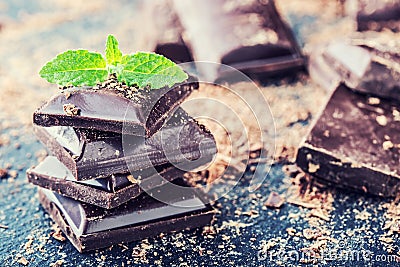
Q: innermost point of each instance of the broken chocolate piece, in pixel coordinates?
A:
(362, 68)
(355, 144)
(93, 227)
(91, 154)
(106, 110)
(274, 200)
(249, 36)
(378, 15)
(107, 192)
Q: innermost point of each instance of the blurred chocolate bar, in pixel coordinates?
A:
(378, 15)
(164, 31)
(363, 64)
(355, 144)
(247, 35)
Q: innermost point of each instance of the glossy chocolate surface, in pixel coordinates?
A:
(107, 192)
(355, 143)
(89, 227)
(370, 70)
(107, 110)
(102, 154)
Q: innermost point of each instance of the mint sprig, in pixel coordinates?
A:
(84, 68)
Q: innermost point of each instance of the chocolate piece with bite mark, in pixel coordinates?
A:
(355, 144)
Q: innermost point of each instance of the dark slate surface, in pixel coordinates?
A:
(234, 244)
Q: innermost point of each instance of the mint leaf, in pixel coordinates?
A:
(151, 69)
(113, 54)
(75, 67)
(81, 67)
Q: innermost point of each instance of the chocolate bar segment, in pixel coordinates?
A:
(163, 33)
(107, 192)
(355, 144)
(370, 70)
(89, 227)
(249, 36)
(378, 15)
(91, 154)
(107, 110)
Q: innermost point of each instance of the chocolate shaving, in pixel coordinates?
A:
(71, 110)
(274, 200)
(3, 173)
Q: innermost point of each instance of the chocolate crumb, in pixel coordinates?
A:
(132, 179)
(3, 173)
(23, 261)
(311, 233)
(58, 263)
(57, 234)
(71, 110)
(274, 200)
(319, 214)
(381, 120)
(67, 94)
(13, 173)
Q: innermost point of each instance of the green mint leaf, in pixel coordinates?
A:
(76, 67)
(150, 69)
(113, 54)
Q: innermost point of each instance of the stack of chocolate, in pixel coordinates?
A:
(111, 148)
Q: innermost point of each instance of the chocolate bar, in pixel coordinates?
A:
(94, 228)
(366, 69)
(378, 15)
(163, 33)
(91, 154)
(107, 192)
(355, 144)
(249, 36)
(107, 110)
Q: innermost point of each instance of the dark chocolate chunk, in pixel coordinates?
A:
(355, 144)
(106, 110)
(89, 227)
(274, 200)
(90, 154)
(107, 192)
(250, 36)
(378, 15)
(3, 173)
(362, 68)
